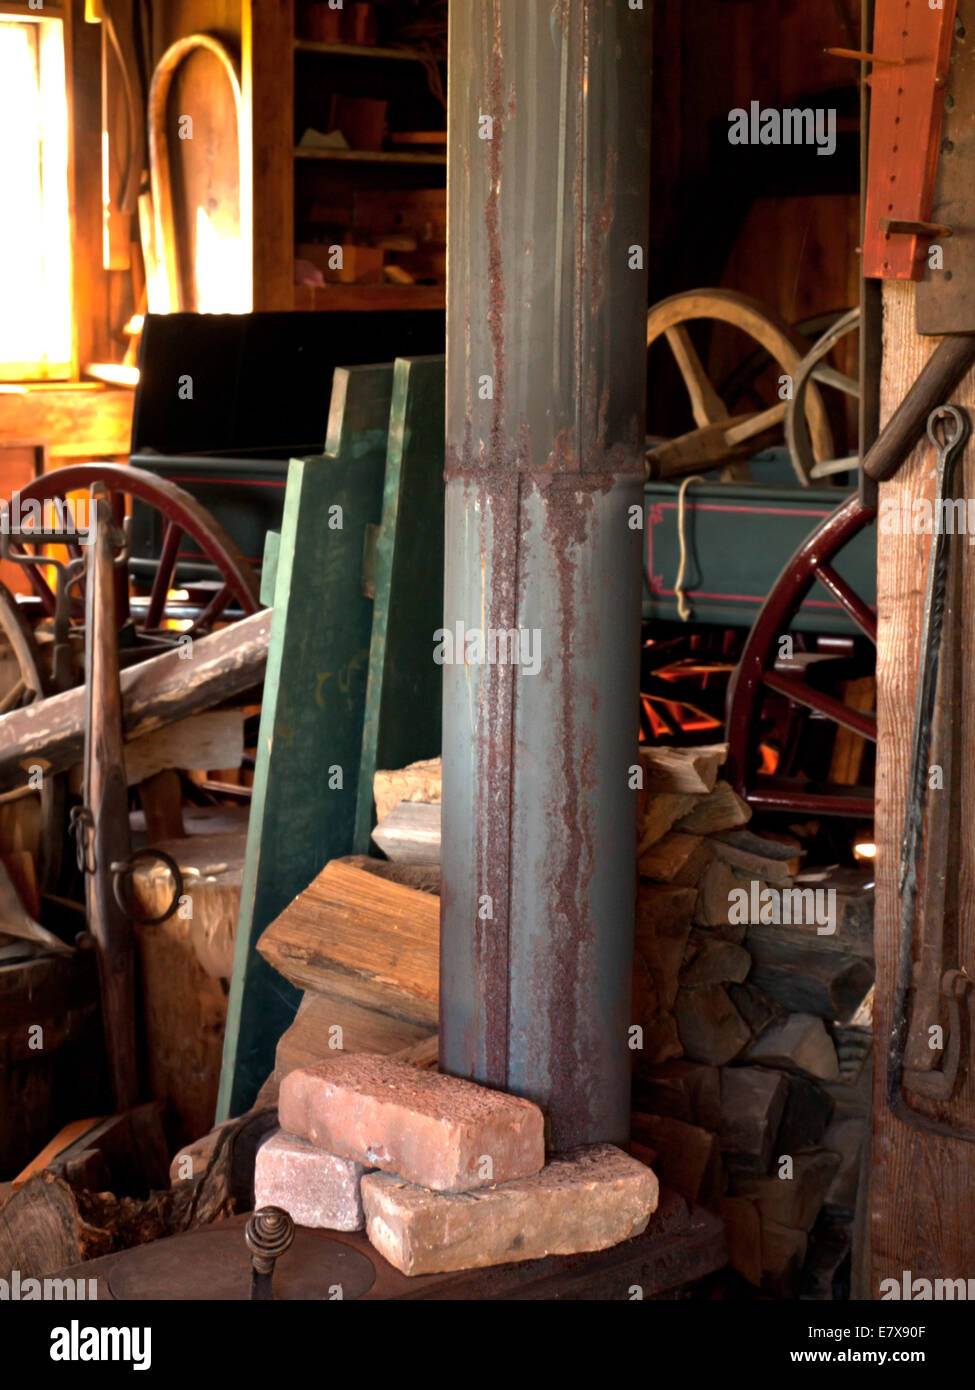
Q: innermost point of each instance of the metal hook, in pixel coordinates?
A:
(953, 437)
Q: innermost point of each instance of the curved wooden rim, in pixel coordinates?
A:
(750, 677)
(796, 428)
(179, 507)
(744, 312)
(160, 170)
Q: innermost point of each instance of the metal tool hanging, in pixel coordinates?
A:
(930, 1034)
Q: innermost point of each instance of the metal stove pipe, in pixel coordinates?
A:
(548, 198)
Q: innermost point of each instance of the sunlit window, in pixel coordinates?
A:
(35, 241)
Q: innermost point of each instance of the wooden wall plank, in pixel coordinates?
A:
(922, 1203)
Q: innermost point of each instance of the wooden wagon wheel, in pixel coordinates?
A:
(32, 684)
(796, 427)
(721, 439)
(757, 675)
(185, 519)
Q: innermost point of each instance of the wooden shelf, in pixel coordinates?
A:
(370, 156)
(363, 297)
(356, 50)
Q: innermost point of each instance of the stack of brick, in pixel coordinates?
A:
(443, 1174)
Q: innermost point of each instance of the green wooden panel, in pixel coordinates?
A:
(312, 711)
(269, 569)
(403, 699)
(740, 537)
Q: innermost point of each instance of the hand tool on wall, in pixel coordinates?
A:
(934, 993)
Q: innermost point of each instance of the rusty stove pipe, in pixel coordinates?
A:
(548, 196)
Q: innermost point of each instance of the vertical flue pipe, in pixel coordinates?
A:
(548, 195)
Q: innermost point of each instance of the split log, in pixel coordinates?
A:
(715, 887)
(682, 769)
(783, 1256)
(42, 1230)
(358, 937)
(688, 1158)
(799, 1043)
(425, 878)
(684, 1091)
(410, 834)
(155, 693)
(743, 1227)
(711, 1028)
(808, 1110)
(325, 1025)
(722, 809)
(425, 1053)
(752, 1102)
(661, 1042)
(756, 856)
(757, 1008)
(659, 812)
(807, 976)
(662, 930)
(713, 962)
(846, 1139)
(676, 859)
(829, 1249)
(418, 782)
(212, 866)
(853, 1051)
(663, 909)
(794, 1201)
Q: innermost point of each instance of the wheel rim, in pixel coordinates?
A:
(756, 674)
(667, 319)
(185, 517)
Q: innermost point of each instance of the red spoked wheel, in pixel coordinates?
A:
(184, 519)
(762, 678)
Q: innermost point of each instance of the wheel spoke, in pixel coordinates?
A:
(829, 376)
(849, 600)
(802, 694)
(213, 610)
(117, 500)
(41, 588)
(706, 404)
(756, 424)
(12, 697)
(162, 582)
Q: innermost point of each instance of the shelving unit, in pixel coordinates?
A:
(310, 196)
(369, 156)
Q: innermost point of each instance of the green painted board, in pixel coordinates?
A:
(312, 711)
(403, 697)
(740, 537)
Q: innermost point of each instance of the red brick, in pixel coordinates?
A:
(586, 1200)
(433, 1130)
(315, 1188)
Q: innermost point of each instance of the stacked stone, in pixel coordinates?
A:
(443, 1174)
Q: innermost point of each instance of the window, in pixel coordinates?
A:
(35, 238)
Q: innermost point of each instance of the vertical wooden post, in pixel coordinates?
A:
(267, 171)
(922, 1198)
